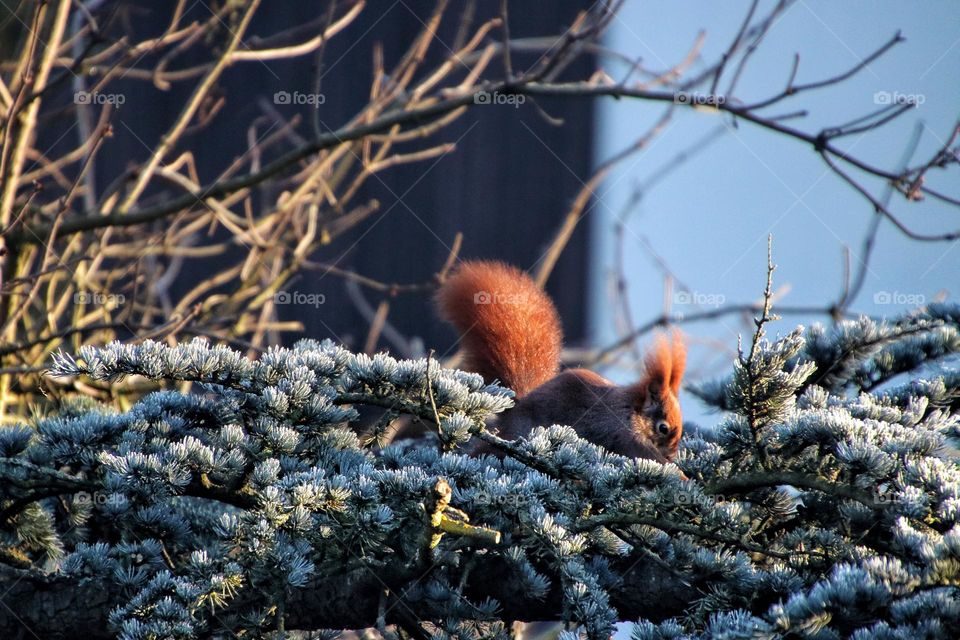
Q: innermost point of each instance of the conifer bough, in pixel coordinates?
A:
(824, 503)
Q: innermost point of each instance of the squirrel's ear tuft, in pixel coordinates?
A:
(665, 365)
(678, 353)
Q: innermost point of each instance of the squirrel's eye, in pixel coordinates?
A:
(663, 427)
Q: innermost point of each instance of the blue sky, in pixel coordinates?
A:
(708, 220)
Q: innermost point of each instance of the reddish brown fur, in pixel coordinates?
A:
(656, 394)
(509, 326)
(597, 409)
(516, 338)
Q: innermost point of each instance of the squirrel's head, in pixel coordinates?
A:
(655, 397)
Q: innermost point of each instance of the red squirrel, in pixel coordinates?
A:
(511, 332)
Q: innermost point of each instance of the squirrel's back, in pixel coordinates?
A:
(510, 328)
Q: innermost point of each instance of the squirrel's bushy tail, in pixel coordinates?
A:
(509, 326)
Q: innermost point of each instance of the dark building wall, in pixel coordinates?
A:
(506, 187)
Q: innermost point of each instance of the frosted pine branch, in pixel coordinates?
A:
(252, 504)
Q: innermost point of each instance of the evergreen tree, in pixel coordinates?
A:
(823, 505)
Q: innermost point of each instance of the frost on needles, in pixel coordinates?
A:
(824, 503)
